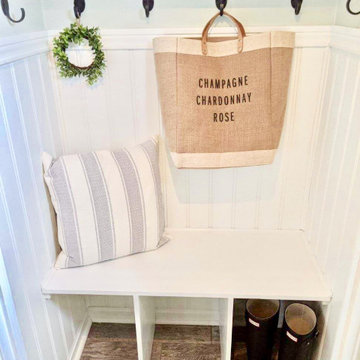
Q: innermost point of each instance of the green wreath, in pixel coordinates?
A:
(76, 34)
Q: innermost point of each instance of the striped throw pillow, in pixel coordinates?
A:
(108, 204)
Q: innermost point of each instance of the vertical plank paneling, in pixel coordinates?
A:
(198, 198)
(95, 111)
(16, 276)
(119, 98)
(334, 204)
(223, 187)
(29, 125)
(338, 170)
(246, 184)
(311, 169)
(274, 175)
(145, 97)
(317, 169)
(298, 149)
(327, 151)
(74, 111)
(350, 160)
(22, 205)
(122, 109)
(177, 195)
(125, 107)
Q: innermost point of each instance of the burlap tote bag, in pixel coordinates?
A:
(223, 100)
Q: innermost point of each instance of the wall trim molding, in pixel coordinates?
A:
(14, 48)
(80, 339)
(141, 39)
(187, 317)
(345, 39)
(117, 315)
(163, 316)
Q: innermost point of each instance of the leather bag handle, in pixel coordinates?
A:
(205, 34)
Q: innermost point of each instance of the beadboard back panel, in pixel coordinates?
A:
(333, 218)
(312, 185)
(28, 126)
(123, 108)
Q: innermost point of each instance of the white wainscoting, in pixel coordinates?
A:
(333, 217)
(123, 108)
(28, 126)
(312, 185)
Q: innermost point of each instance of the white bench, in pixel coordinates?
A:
(219, 264)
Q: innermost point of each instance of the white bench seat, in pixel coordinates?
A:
(206, 263)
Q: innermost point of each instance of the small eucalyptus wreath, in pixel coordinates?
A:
(76, 34)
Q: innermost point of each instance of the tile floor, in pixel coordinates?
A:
(171, 342)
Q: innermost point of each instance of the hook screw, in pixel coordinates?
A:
(148, 6)
(221, 5)
(296, 4)
(79, 7)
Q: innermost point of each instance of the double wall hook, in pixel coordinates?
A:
(221, 5)
(79, 7)
(6, 11)
(148, 6)
(349, 8)
(296, 4)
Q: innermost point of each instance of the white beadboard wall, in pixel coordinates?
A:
(28, 126)
(313, 184)
(123, 108)
(333, 218)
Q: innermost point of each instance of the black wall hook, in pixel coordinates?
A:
(221, 5)
(296, 4)
(79, 7)
(6, 11)
(148, 6)
(349, 8)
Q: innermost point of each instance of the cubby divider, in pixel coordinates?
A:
(145, 320)
(144, 307)
(226, 307)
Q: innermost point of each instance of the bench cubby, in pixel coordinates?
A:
(216, 265)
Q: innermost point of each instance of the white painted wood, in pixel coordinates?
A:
(145, 325)
(187, 311)
(226, 307)
(332, 226)
(28, 126)
(109, 314)
(123, 108)
(206, 263)
(14, 48)
(251, 198)
(350, 344)
(141, 39)
(80, 340)
(11, 340)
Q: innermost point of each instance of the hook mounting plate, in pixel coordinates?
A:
(221, 5)
(148, 6)
(79, 7)
(296, 4)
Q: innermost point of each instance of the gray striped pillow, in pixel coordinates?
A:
(108, 204)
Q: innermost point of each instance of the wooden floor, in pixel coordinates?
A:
(171, 342)
(118, 341)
